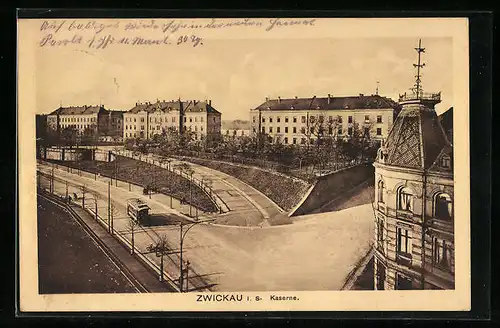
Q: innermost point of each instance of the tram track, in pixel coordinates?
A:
(153, 235)
(110, 255)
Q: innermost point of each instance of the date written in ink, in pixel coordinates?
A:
(192, 39)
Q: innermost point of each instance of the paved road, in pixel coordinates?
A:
(247, 206)
(163, 217)
(317, 252)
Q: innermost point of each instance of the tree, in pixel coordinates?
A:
(160, 248)
(69, 136)
(359, 141)
(129, 144)
(212, 140)
(132, 224)
(142, 145)
(185, 168)
(186, 137)
(89, 135)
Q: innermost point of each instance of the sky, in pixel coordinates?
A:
(238, 74)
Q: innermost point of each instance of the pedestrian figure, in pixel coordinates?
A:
(75, 195)
(69, 198)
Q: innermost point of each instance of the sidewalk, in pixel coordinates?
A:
(248, 206)
(139, 270)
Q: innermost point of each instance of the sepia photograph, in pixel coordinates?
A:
(243, 164)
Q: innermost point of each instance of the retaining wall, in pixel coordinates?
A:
(331, 186)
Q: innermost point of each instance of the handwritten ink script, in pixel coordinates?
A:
(97, 35)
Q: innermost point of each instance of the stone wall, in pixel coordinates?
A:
(331, 186)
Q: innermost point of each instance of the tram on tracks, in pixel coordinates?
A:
(138, 210)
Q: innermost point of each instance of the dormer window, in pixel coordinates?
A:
(445, 162)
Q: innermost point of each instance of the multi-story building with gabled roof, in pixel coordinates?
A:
(145, 120)
(106, 124)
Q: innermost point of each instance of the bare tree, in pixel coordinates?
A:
(189, 171)
(323, 129)
(160, 248)
(132, 224)
(113, 212)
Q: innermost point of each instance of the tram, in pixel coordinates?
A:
(137, 210)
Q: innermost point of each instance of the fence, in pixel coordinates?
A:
(305, 170)
(175, 203)
(78, 194)
(165, 164)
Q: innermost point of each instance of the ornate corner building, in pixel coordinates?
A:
(413, 206)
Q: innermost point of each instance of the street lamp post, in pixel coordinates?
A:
(109, 206)
(191, 194)
(83, 196)
(187, 275)
(132, 224)
(183, 234)
(52, 180)
(116, 172)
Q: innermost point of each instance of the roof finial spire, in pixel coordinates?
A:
(376, 90)
(418, 82)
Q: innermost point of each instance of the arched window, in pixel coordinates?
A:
(381, 191)
(442, 207)
(405, 199)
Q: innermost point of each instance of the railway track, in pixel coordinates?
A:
(122, 268)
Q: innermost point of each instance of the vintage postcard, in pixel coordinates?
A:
(270, 164)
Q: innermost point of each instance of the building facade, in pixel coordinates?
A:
(94, 120)
(304, 120)
(236, 133)
(413, 206)
(147, 119)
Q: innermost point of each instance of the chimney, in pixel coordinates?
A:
(210, 102)
(329, 96)
(279, 99)
(361, 95)
(267, 99)
(296, 97)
